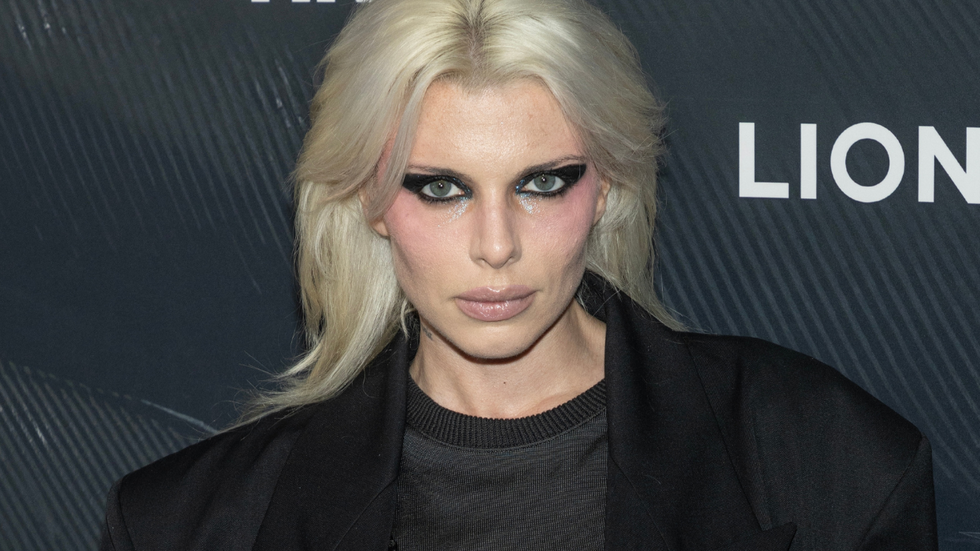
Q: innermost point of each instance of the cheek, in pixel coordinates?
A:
(415, 234)
(568, 221)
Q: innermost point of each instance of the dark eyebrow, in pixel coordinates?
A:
(436, 171)
(551, 165)
(534, 169)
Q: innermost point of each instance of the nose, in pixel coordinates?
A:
(496, 240)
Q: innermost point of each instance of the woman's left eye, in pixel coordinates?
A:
(553, 182)
(544, 183)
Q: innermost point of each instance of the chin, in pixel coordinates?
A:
(494, 345)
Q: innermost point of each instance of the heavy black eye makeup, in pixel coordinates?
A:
(436, 188)
(441, 188)
(551, 183)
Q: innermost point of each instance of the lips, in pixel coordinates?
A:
(495, 303)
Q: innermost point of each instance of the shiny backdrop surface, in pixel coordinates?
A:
(145, 241)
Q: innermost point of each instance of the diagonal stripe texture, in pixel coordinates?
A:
(61, 447)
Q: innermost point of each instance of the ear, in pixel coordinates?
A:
(377, 225)
(600, 203)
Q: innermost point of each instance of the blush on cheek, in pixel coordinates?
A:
(561, 227)
(574, 212)
(414, 234)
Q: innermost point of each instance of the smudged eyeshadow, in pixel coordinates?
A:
(569, 174)
(416, 182)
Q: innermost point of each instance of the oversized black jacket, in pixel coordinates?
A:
(715, 443)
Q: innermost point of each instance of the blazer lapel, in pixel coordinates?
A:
(671, 482)
(343, 496)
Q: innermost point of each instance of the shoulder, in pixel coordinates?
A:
(283, 471)
(787, 390)
(810, 445)
(223, 483)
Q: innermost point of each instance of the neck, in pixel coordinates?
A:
(566, 361)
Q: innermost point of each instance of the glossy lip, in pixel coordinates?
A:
(495, 303)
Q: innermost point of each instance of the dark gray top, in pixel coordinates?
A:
(538, 482)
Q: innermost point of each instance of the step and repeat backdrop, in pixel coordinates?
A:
(821, 190)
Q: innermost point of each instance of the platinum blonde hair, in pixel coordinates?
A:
(375, 76)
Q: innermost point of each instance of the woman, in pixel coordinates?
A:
(488, 365)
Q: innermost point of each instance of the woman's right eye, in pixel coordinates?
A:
(434, 188)
(441, 189)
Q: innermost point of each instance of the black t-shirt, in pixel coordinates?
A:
(472, 483)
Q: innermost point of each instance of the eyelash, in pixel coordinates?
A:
(570, 174)
(416, 182)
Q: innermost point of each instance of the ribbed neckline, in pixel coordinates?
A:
(467, 431)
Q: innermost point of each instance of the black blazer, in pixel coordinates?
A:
(715, 443)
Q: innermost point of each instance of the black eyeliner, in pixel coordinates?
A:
(415, 183)
(570, 174)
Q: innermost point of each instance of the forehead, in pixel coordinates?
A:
(506, 126)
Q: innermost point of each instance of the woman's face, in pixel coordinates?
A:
(489, 229)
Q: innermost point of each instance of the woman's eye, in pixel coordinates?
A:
(441, 189)
(543, 183)
(435, 188)
(551, 183)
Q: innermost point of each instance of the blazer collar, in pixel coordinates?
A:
(671, 482)
(336, 489)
